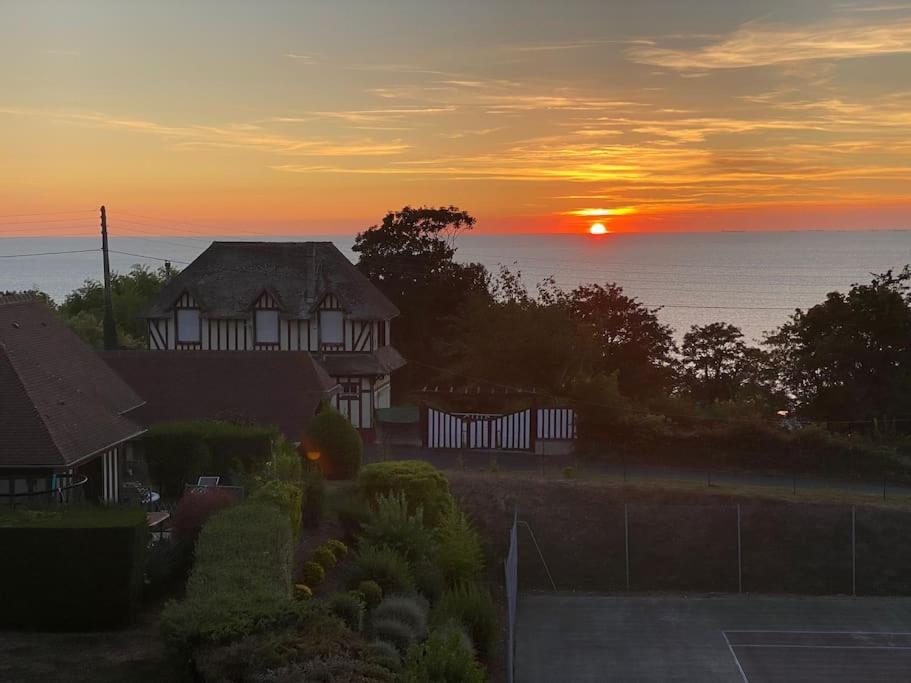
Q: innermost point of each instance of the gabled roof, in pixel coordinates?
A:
(281, 388)
(228, 276)
(59, 404)
(380, 362)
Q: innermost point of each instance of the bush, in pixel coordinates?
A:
(313, 573)
(349, 607)
(442, 659)
(473, 608)
(352, 512)
(72, 570)
(394, 526)
(302, 591)
(458, 551)
(383, 565)
(240, 583)
(400, 634)
(338, 548)
(324, 557)
(429, 580)
(178, 453)
(287, 464)
(423, 485)
(408, 609)
(385, 654)
(338, 442)
(194, 509)
(372, 592)
(167, 563)
(314, 499)
(285, 496)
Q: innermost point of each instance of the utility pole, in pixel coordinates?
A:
(110, 329)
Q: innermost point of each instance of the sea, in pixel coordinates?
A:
(754, 280)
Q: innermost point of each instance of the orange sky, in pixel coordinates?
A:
(319, 117)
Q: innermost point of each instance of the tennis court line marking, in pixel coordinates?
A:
(850, 633)
(830, 647)
(734, 655)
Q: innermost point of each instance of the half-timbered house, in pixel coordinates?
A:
(63, 413)
(285, 296)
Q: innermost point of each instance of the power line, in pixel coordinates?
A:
(49, 253)
(155, 258)
(48, 213)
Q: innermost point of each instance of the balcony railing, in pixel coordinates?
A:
(42, 492)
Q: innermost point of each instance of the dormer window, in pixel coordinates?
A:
(332, 328)
(188, 326)
(266, 327)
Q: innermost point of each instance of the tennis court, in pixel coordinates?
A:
(563, 637)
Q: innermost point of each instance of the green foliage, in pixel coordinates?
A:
(397, 632)
(393, 525)
(352, 511)
(459, 554)
(313, 573)
(372, 592)
(338, 548)
(389, 568)
(132, 293)
(429, 579)
(178, 453)
(349, 607)
(569, 472)
(240, 583)
(385, 654)
(73, 570)
(287, 464)
(324, 557)
(285, 496)
(473, 608)
(423, 485)
(314, 499)
(338, 442)
(302, 591)
(408, 609)
(442, 659)
(168, 562)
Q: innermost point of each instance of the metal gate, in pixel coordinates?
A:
(513, 432)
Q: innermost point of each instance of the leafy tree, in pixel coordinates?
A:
(337, 441)
(719, 366)
(410, 256)
(83, 309)
(849, 357)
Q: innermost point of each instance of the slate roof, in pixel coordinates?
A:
(227, 278)
(59, 404)
(380, 362)
(281, 388)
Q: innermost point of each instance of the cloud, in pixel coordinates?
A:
(620, 211)
(757, 44)
(303, 59)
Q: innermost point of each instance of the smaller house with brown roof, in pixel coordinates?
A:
(63, 412)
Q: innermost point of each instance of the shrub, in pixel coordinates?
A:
(371, 591)
(442, 659)
(410, 610)
(314, 499)
(72, 570)
(352, 512)
(194, 509)
(385, 654)
(285, 496)
(453, 628)
(423, 485)
(473, 608)
(338, 548)
(302, 591)
(167, 562)
(383, 565)
(287, 464)
(400, 634)
(244, 658)
(429, 580)
(394, 526)
(349, 607)
(338, 442)
(324, 557)
(240, 583)
(458, 551)
(313, 573)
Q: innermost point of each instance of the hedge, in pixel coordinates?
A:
(338, 442)
(241, 582)
(178, 453)
(423, 484)
(75, 570)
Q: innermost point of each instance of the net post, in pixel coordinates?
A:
(739, 554)
(626, 540)
(854, 550)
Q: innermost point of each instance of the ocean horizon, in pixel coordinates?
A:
(753, 280)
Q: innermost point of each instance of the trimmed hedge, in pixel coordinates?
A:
(338, 442)
(422, 483)
(74, 570)
(178, 453)
(241, 582)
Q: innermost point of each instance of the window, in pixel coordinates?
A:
(350, 390)
(332, 328)
(267, 327)
(187, 326)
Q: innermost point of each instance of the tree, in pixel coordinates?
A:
(622, 335)
(83, 309)
(338, 443)
(849, 357)
(719, 366)
(410, 256)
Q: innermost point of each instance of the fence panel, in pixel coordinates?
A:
(556, 423)
(512, 596)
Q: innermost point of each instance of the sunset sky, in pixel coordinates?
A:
(319, 117)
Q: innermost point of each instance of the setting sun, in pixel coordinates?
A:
(597, 229)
